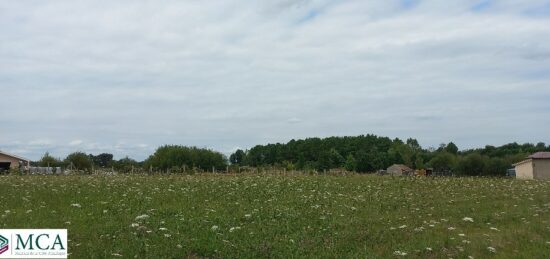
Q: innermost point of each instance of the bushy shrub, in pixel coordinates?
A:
(174, 156)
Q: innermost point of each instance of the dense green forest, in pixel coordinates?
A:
(365, 153)
(369, 153)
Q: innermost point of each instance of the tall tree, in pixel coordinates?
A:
(472, 164)
(419, 162)
(169, 156)
(79, 160)
(48, 160)
(351, 163)
(238, 157)
(443, 161)
(451, 148)
(102, 160)
(413, 144)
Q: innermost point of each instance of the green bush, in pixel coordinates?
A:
(174, 156)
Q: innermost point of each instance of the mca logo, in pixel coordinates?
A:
(3, 244)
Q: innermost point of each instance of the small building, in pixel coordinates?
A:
(536, 166)
(398, 170)
(9, 161)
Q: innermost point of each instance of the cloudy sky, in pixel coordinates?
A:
(127, 76)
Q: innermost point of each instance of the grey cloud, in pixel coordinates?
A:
(127, 76)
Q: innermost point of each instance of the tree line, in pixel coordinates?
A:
(168, 157)
(369, 153)
(86, 162)
(364, 154)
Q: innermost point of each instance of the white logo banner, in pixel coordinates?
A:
(33, 243)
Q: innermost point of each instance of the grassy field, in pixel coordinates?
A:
(248, 216)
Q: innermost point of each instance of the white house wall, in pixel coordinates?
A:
(524, 170)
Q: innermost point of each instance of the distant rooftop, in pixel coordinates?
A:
(540, 155)
(402, 167)
(14, 156)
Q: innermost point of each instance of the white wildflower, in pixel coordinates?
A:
(142, 217)
(134, 225)
(167, 235)
(492, 249)
(76, 205)
(403, 226)
(234, 228)
(429, 249)
(495, 229)
(451, 228)
(468, 219)
(419, 229)
(214, 228)
(399, 253)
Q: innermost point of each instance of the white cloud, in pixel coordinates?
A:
(294, 120)
(224, 74)
(40, 142)
(76, 142)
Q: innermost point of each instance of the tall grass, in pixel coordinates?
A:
(309, 216)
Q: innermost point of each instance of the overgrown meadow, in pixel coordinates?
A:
(250, 216)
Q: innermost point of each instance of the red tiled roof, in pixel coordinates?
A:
(540, 155)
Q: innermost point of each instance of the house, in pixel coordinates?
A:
(10, 161)
(537, 166)
(397, 169)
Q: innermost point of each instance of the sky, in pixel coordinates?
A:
(125, 77)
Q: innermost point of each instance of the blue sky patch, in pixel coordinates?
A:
(539, 11)
(408, 4)
(309, 16)
(482, 6)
